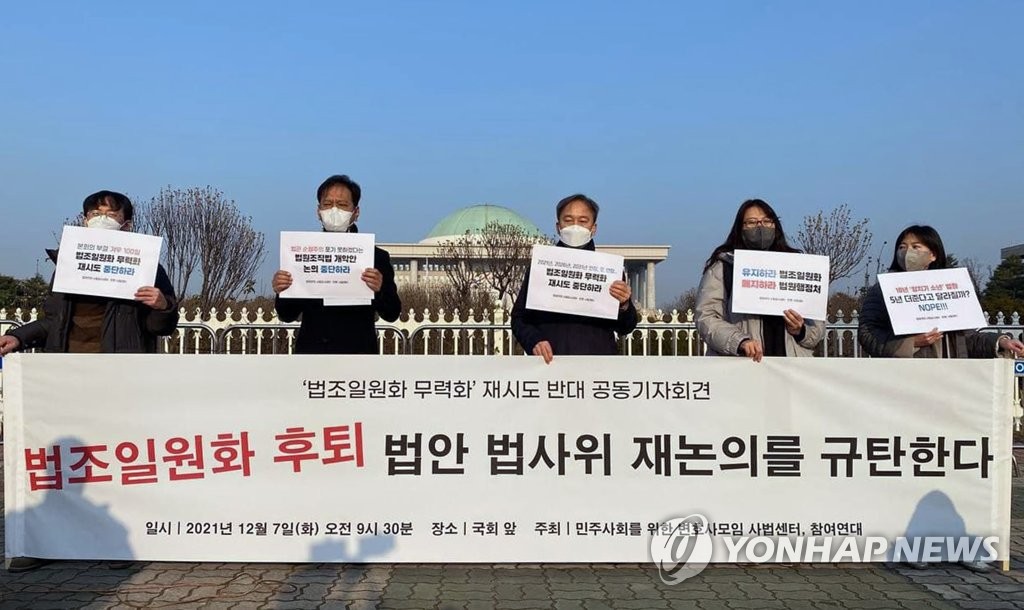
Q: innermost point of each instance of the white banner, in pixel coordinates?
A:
(919, 301)
(769, 283)
(327, 265)
(492, 459)
(573, 281)
(106, 263)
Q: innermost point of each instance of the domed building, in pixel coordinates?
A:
(418, 263)
(473, 219)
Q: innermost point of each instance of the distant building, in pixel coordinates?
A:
(1009, 251)
(417, 263)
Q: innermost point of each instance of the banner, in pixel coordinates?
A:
(106, 263)
(919, 301)
(573, 281)
(494, 459)
(327, 265)
(769, 283)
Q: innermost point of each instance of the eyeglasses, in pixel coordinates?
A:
(116, 215)
(763, 222)
(337, 203)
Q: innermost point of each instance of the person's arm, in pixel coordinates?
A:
(288, 310)
(386, 301)
(875, 329)
(526, 333)
(627, 320)
(984, 345)
(721, 335)
(813, 333)
(163, 321)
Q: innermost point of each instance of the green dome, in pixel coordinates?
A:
(473, 219)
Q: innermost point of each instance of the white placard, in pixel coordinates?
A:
(919, 301)
(574, 281)
(106, 263)
(327, 265)
(491, 459)
(768, 283)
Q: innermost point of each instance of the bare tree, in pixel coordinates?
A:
(163, 217)
(460, 259)
(507, 250)
(492, 261)
(686, 301)
(837, 236)
(205, 234)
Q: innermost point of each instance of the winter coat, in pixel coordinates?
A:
(569, 334)
(723, 329)
(349, 329)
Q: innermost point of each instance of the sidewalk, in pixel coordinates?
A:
(85, 584)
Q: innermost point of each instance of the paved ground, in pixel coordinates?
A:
(80, 584)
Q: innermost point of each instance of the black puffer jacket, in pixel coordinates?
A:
(569, 334)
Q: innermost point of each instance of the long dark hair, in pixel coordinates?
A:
(929, 237)
(735, 238)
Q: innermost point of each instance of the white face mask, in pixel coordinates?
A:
(335, 220)
(575, 236)
(103, 222)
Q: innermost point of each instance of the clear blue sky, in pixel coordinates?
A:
(669, 114)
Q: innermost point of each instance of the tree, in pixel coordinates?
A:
(837, 236)
(491, 261)
(27, 293)
(205, 235)
(1005, 289)
(686, 301)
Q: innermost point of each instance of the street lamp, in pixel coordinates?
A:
(878, 261)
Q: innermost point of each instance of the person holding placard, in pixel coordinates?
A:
(918, 248)
(75, 323)
(728, 333)
(341, 329)
(545, 333)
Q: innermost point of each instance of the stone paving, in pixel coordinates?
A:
(84, 584)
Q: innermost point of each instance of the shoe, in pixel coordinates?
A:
(25, 564)
(119, 565)
(978, 566)
(919, 565)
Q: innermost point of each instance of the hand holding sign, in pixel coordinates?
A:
(151, 297)
(928, 338)
(282, 281)
(622, 292)
(373, 278)
(794, 321)
(1009, 344)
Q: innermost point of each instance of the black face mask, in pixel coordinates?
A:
(759, 238)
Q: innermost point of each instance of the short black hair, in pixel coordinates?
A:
(930, 238)
(340, 180)
(118, 202)
(594, 208)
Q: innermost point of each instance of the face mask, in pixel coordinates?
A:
(759, 238)
(574, 236)
(913, 260)
(103, 222)
(335, 220)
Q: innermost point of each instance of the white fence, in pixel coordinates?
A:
(489, 332)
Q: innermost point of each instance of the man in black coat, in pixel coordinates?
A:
(544, 333)
(76, 324)
(348, 329)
